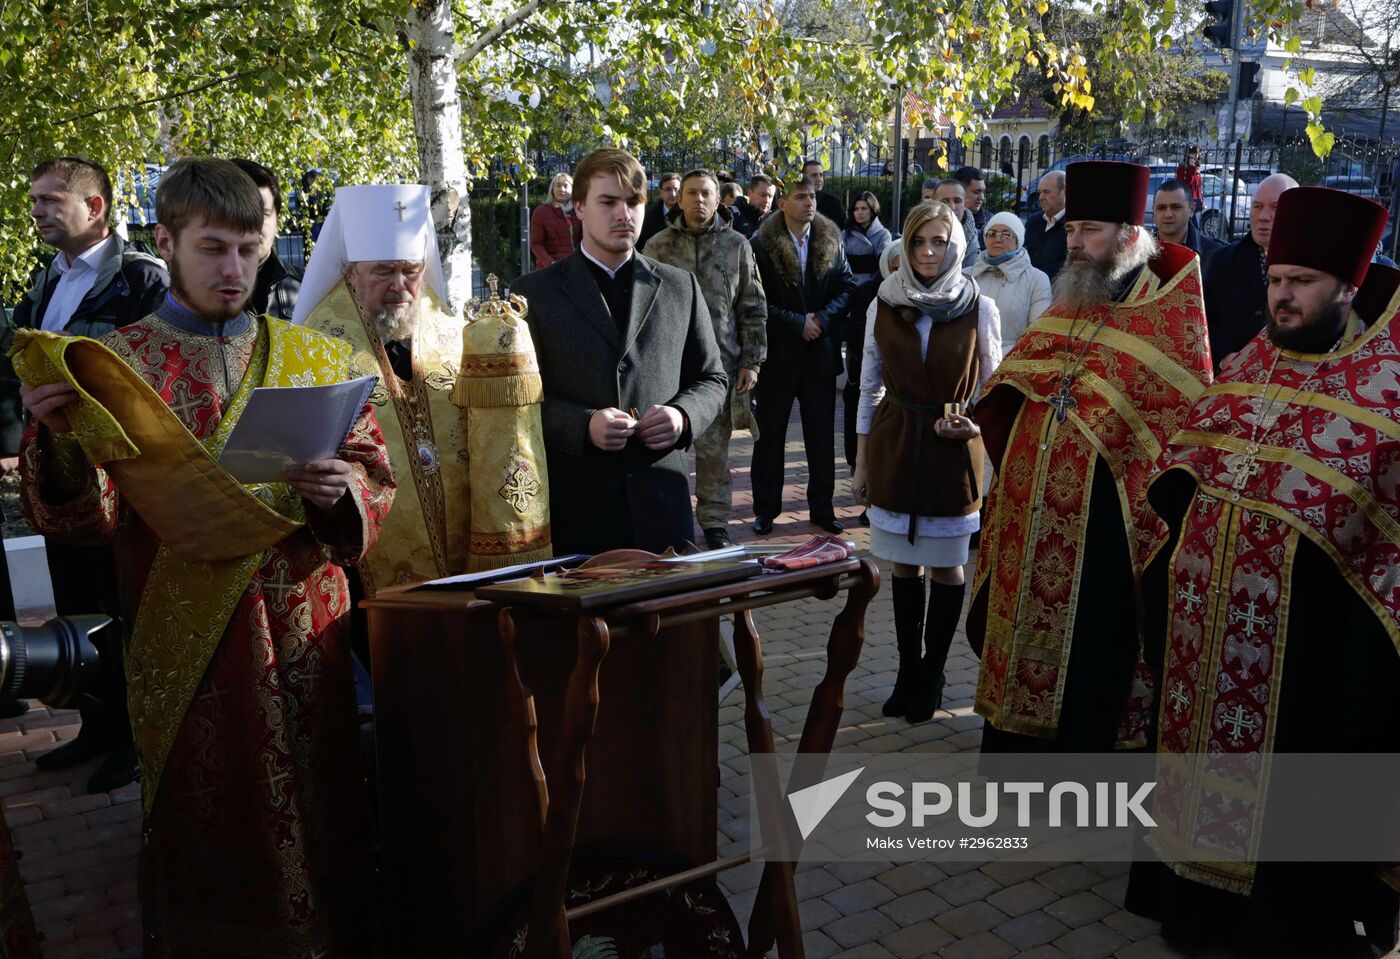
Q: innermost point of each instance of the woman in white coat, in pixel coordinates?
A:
(1004, 273)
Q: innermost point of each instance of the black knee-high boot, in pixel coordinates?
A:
(944, 607)
(908, 595)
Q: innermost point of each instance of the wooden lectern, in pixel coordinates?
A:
(507, 738)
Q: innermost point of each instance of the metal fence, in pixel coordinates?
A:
(1012, 163)
(1012, 166)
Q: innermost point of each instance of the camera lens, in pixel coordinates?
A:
(54, 663)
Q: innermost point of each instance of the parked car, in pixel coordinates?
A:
(886, 168)
(1216, 200)
(1033, 187)
(1360, 185)
(1250, 176)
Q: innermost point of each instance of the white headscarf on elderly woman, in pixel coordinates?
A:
(887, 257)
(1009, 221)
(948, 295)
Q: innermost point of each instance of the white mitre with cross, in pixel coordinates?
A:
(388, 221)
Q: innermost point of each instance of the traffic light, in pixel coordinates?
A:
(1221, 32)
(1249, 79)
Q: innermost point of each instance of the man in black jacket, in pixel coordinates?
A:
(1045, 231)
(93, 285)
(808, 283)
(829, 205)
(275, 291)
(1236, 281)
(1171, 215)
(655, 220)
(975, 186)
(750, 210)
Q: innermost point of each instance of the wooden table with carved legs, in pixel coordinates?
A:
(559, 791)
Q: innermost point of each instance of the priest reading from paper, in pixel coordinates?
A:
(375, 281)
(239, 681)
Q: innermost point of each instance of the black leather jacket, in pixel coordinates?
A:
(129, 286)
(275, 292)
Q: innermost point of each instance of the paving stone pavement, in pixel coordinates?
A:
(906, 910)
(79, 852)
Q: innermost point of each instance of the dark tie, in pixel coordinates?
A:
(49, 287)
(401, 358)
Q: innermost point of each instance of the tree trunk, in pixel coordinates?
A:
(437, 124)
(1385, 109)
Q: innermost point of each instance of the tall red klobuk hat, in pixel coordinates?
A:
(1328, 230)
(1106, 190)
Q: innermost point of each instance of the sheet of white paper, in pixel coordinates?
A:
(503, 573)
(286, 426)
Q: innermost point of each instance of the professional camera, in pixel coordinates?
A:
(55, 663)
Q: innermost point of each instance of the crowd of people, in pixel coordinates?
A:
(1155, 442)
(1110, 409)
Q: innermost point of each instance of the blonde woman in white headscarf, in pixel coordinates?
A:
(932, 340)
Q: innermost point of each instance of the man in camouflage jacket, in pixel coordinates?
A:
(699, 238)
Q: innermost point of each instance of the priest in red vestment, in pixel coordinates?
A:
(1074, 420)
(1278, 600)
(254, 841)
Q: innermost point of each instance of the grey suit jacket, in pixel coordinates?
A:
(665, 355)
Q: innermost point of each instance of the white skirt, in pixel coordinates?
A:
(940, 551)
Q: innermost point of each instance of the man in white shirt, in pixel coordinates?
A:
(94, 284)
(76, 276)
(1045, 231)
(807, 283)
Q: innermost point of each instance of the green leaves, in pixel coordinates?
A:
(1321, 140)
(298, 84)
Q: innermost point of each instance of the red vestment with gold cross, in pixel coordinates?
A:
(1145, 360)
(1285, 487)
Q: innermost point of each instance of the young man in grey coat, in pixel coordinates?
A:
(630, 370)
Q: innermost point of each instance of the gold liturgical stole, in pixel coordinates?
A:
(213, 531)
(425, 535)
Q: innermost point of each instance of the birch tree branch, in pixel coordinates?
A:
(511, 20)
(149, 101)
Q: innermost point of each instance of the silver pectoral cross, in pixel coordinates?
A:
(398, 205)
(1243, 468)
(1062, 401)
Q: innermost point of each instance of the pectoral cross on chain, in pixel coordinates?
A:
(1242, 469)
(1062, 401)
(398, 205)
